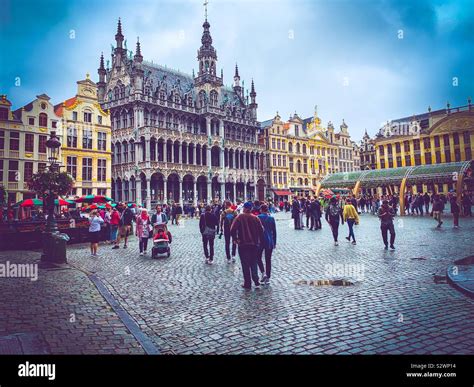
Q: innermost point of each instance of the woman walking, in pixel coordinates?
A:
(143, 230)
(94, 231)
(351, 217)
(333, 214)
(268, 244)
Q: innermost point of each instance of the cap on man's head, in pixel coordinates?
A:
(248, 205)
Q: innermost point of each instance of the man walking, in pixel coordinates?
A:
(426, 201)
(208, 225)
(438, 206)
(125, 226)
(386, 214)
(269, 243)
(227, 218)
(333, 215)
(247, 232)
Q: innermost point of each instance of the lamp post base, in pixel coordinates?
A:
(54, 247)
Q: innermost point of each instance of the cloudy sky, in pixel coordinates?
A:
(364, 61)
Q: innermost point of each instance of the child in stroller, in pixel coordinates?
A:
(161, 241)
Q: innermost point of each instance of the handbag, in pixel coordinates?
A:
(208, 231)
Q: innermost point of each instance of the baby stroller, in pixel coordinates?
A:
(161, 241)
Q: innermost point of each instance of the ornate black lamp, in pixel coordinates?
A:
(54, 243)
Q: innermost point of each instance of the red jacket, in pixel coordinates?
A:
(115, 218)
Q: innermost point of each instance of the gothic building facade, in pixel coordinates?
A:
(177, 137)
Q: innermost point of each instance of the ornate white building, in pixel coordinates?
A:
(177, 137)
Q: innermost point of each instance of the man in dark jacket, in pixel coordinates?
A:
(333, 215)
(438, 206)
(295, 213)
(247, 232)
(227, 218)
(426, 200)
(309, 214)
(316, 214)
(208, 224)
(386, 214)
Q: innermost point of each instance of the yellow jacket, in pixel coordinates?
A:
(350, 213)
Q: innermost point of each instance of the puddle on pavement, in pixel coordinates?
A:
(335, 282)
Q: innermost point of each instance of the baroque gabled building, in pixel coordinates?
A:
(86, 140)
(180, 137)
(23, 136)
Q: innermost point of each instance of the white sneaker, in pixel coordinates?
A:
(336, 244)
(141, 253)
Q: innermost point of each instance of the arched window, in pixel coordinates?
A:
(290, 147)
(298, 166)
(214, 98)
(116, 92)
(298, 148)
(304, 148)
(202, 98)
(43, 120)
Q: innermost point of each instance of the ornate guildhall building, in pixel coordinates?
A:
(179, 137)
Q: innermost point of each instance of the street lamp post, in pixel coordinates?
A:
(53, 146)
(54, 243)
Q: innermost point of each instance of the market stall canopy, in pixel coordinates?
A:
(433, 173)
(282, 192)
(93, 199)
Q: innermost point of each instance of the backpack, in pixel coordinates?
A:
(228, 219)
(334, 211)
(267, 234)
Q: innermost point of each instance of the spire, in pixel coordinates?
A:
(138, 54)
(206, 2)
(101, 66)
(236, 77)
(252, 90)
(207, 55)
(119, 35)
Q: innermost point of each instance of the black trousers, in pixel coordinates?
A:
(227, 246)
(267, 269)
(143, 244)
(335, 230)
(312, 222)
(318, 224)
(248, 259)
(208, 241)
(385, 228)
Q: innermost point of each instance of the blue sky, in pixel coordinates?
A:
(364, 61)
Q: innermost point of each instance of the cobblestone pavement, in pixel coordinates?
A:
(62, 308)
(188, 307)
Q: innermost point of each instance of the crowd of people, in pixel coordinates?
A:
(249, 229)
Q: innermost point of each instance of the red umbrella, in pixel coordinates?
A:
(93, 199)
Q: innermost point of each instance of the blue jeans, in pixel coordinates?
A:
(248, 259)
(350, 223)
(113, 232)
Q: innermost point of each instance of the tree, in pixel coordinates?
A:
(59, 183)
